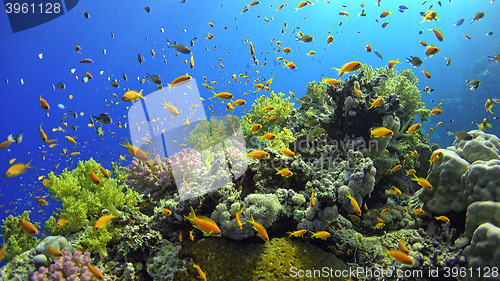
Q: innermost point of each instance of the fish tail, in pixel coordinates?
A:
(28, 164)
(191, 215)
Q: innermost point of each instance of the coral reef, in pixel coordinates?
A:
(186, 163)
(17, 239)
(67, 267)
(82, 198)
(271, 261)
(154, 180)
(402, 83)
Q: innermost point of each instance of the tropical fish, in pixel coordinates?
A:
(103, 118)
(349, 67)
(463, 135)
(430, 16)
(415, 61)
(354, 203)
(305, 38)
(376, 103)
(268, 136)
(297, 233)
(136, 151)
(438, 33)
(488, 105)
(285, 172)
(182, 49)
(103, 221)
(478, 16)
(474, 84)
(238, 218)
(132, 95)
(206, 225)
(378, 54)
(399, 256)
(28, 227)
(257, 154)
(422, 182)
(17, 169)
(203, 277)
(459, 22)
(43, 103)
(97, 274)
(381, 132)
(392, 63)
(320, 234)
(413, 128)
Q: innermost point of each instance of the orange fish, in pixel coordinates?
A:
(349, 67)
(43, 135)
(438, 33)
(2, 251)
(262, 233)
(257, 154)
(61, 222)
(105, 173)
(97, 274)
(54, 252)
(43, 103)
(392, 63)
(103, 221)
(422, 182)
(28, 227)
(321, 234)
(431, 51)
(385, 14)
(354, 203)
(297, 233)
(426, 73)
(95, 179)
(368, 48)
(238, 220)
(206, 225)
(17, 169)
(136, 151)
(399, 256)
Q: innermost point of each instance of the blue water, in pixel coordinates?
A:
(131, 25)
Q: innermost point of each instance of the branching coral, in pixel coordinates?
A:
(403, 83)
(81, 197)
(18, 240)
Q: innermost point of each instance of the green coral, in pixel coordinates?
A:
(208, 133)
(281, 109)
(316, 91)
(283, 138)
(403, 83)
(97, 240)
(81, 198)
(18, 240)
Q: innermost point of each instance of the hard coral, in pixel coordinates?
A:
(67, 267)
(154, 180)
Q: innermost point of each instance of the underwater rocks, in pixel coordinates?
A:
(464, 174)
(483, 253)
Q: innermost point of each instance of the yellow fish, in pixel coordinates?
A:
(103, 221)
(381, 132)
(132, 95)
(17, 169)
(171, 108)
(285, 172)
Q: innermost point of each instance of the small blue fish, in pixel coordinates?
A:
(459, 22)
(61, 106)
(378, 54)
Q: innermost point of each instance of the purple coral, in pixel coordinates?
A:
(186, 161)
(153, 180)
(66, 267)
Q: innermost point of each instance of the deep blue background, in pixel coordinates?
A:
(131, 25)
